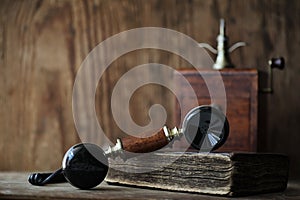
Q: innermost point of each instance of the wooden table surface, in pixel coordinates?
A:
(14, 185)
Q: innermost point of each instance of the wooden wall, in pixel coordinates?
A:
(43, 43)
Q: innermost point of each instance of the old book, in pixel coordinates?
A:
(228, 174)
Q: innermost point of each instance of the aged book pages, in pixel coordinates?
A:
(232, 174)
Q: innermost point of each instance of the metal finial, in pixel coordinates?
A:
(223, 59)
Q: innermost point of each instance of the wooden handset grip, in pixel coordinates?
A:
(147, 144)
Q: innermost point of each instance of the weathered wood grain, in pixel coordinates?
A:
(43, 43)
(15, 186)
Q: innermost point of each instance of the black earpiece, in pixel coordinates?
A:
(205, 128)
(84, 166)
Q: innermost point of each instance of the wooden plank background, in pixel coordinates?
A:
(43, 43)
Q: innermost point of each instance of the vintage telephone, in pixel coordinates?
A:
(85, 165)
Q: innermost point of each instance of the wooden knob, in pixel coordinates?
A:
(145, 145)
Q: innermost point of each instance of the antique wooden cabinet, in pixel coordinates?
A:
(241, 87)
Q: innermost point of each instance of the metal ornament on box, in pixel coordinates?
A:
(223, 59)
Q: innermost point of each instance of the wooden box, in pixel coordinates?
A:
(241, 87)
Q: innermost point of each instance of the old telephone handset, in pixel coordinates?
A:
(85, 165)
